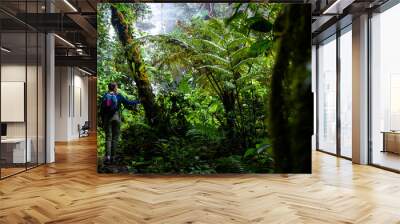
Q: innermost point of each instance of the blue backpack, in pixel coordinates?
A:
(109, 104)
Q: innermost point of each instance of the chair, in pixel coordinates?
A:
(84, 130)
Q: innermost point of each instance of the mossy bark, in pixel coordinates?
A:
(291, 105)
(136, 65)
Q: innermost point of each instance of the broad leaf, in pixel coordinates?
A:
(260, 47)
(249, 152)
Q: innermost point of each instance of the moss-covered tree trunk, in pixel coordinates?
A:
(136, 65)
(291, 106)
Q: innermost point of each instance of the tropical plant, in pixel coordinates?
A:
(205, 87)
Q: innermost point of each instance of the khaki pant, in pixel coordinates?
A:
(112, 132)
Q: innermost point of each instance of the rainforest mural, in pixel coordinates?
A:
(204, 88)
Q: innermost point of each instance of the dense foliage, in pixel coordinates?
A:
(204, 86)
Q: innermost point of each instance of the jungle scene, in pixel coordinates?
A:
(218, 87)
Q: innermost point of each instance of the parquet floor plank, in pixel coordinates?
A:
(70, 191)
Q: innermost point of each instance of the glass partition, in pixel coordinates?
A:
(327, 95)
(385, 89)
(346, 92)
(14, 151)
(41, 97)
(32, 97)
(22, 78)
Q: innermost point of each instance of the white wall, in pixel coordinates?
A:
(71, 94)
(17, 73)
(80, 94)
(62, 82)
(34, 125)
(9, 73)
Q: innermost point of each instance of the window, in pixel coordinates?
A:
(327, 95)
(385, 88)
(346, 92)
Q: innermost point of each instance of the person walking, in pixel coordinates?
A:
(111, 118)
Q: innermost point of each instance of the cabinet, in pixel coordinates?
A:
(13, 150)
(391, 142)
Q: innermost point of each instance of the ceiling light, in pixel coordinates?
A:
(84, 71)
(79, 51)
(70, 5)
(335, 7)
(5, 50)
(64, 40)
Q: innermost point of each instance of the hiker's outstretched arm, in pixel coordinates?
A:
(127, 102)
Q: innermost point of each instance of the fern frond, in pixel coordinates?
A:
(239, 55)
(216, 68)
(215, 59)
(211, 45)
(237, 42)
(244, 62)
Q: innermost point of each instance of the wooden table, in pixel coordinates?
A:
(391, 141)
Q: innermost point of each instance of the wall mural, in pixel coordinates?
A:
(204, 88)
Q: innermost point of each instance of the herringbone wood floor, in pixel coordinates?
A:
(70, 191)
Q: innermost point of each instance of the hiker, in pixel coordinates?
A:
(111, 118)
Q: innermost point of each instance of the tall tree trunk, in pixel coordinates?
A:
(228, 101)
(291, 106)
(136, 65)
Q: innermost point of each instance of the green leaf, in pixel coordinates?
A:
(245, 61)
(262, 147)
(236, 14)
(217, 69)
(216, 24)
(210, 44)
(260, 47)
(229, 85)
(214, 35)
(237, 42)
(249, 152)
(213, 58)
(239, 55)
(213, 108)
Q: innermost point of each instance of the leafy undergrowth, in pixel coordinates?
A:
(210, 77)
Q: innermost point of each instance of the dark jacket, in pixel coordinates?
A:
(121, 101)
